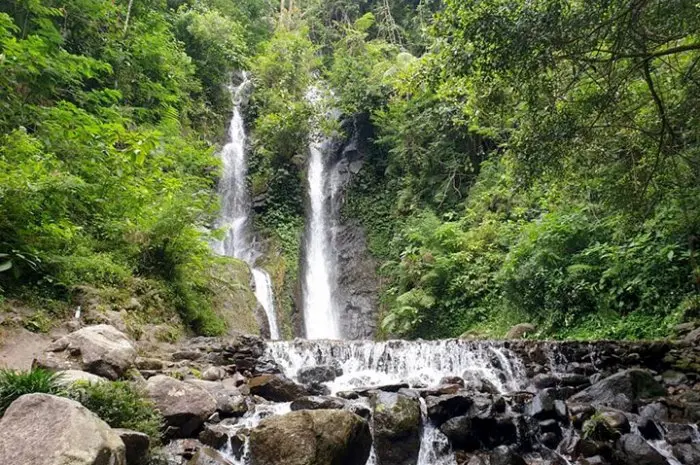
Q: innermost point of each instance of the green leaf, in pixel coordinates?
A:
(4, 266)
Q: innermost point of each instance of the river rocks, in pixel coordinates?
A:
(634, 450)
(184, 406)
(215, 436)
(318, 374)
(276, 388)
(687, 454)
(396, 422)
(229, 400)
(41, 429)
(503, 455)
(101, 349)
(442, 408)
(632, 384)
(311, 437)
(318, 402)
(136, 445)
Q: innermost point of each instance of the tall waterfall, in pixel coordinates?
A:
(320, 314)
(235, 207)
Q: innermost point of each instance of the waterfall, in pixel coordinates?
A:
(235, 207)
(320, 316)
(418, 363)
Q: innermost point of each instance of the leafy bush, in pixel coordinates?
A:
(14, 384)
(121, 405)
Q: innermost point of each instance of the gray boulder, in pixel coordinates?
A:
(276, 388)
(100, 349)
(184, 406)
(634, 450)
(230, 402)
(311, 437)
(396, 422)
(632, 384)
(41, 429)
(687, 454)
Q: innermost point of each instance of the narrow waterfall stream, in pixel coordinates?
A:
(235, 207)
(320, 315)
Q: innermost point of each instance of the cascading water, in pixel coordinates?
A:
(235, 207)
(418, 363)
(320, 317)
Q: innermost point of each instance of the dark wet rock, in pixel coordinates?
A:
(687, 454)
(317, 389)
(481, 432)
(442, 408)
(575, 380)
(215, 436)
(649, 429)
(452, 380)
(276, 388)
(634, 450)
(366, 391)
(503, 455)
(311, 437)
(656, 411)
(634, 384)
(545, 380)
(543, 406)
(318, 374)
(679, 433)
(617, 421)
(136, 446)
(185, 407)
(318, 402)
(349, 395)
(396, 421)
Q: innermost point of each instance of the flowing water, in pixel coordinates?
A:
(320, 315)
(235, 207)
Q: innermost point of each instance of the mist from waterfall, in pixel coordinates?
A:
(320, 309)
(235, 207)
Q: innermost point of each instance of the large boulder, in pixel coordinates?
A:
(632, 384)
(41, 429)
(184, 406)
(634, 450)
(311, 437)
(100, 349)
(396, 422)
(687, 454)
(276, 388)
(442, 408)
(230, 402)
(137, 445)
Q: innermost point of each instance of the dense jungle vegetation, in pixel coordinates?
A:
(529, 161)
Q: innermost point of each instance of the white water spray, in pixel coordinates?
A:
(320, 316)
(235, 207)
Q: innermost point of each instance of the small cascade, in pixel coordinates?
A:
(249, 421)
(434, 446)
(235, 207)
(320, 315)
(418, 363)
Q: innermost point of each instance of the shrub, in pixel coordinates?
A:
(14, 384)
(121, 405)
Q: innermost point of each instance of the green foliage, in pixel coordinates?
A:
(14, 384)
(121, 405)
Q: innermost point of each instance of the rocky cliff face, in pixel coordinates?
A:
(357, 291)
